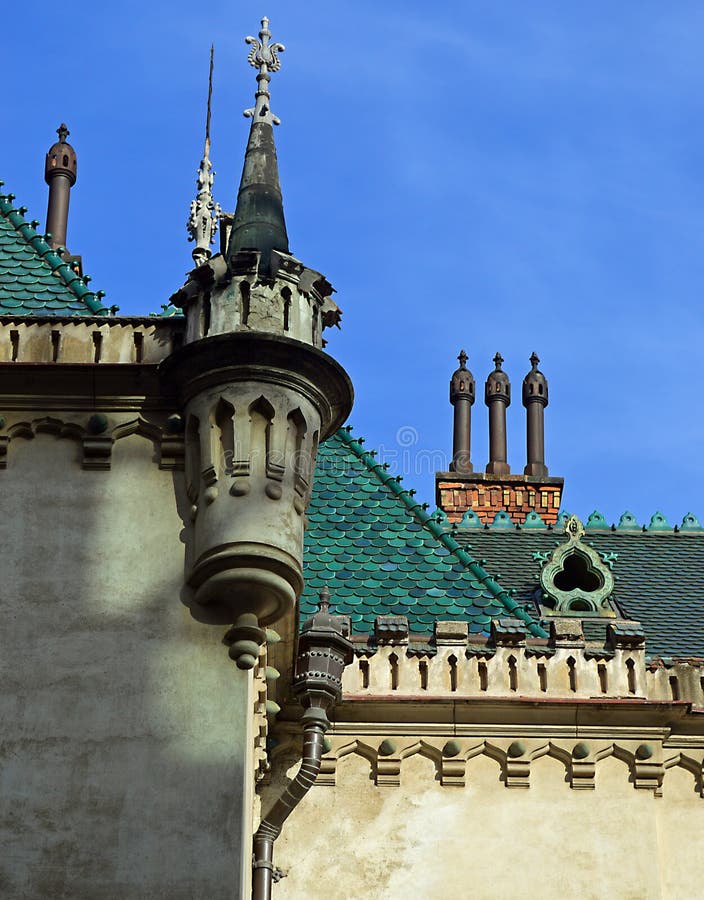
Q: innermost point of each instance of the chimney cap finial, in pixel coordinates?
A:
(324, 599)
(61, 160)
(462, 381)
(498, 385)
(535, 384)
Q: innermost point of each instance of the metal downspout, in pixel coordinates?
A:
(315, 724)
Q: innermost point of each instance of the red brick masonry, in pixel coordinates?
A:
(487, 494)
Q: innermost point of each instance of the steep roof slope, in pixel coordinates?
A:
(381, 553)
(658, 573)
(34, 279)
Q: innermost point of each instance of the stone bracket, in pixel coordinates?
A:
(172, 452)
(388, 771)
(96, 448)
(648, 775)
(97, 452)
(452, 772)
(327, 773)
(583, 774)
(517, 772)
(4, 444)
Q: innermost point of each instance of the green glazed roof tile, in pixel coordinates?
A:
(34, 279)
(381, 553)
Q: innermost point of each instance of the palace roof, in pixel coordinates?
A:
(34, 279)
(381, 554)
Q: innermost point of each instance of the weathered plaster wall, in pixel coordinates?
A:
(122, 746)
(484, 841)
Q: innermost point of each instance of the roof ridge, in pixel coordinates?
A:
(629, 524)
(58, 266)
(426, 520)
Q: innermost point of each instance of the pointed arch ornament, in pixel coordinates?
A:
(575, 577)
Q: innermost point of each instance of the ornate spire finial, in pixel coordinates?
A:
(534, 359)
(203, 221)
(498, 361)
(463, 359)
(62, 132)
(265, 57)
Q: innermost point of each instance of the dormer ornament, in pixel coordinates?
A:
(575, 579)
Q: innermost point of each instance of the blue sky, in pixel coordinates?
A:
(496, 176)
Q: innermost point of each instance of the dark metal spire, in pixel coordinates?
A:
(203, 219)
(259, 222)
(210, 97)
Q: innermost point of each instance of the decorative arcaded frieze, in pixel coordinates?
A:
(97, 435)
(646, 760)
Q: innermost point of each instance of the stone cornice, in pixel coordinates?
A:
(80, 386)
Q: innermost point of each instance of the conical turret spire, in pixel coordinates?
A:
(259, 222)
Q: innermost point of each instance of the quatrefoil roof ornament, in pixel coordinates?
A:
(575, 577)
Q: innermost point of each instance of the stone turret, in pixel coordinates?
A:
(259, 394)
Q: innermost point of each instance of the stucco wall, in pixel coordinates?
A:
(485, 841)
(122, 741)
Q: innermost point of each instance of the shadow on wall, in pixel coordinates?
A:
(120, 735)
